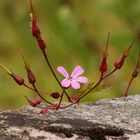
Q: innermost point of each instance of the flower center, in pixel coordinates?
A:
(70, 78)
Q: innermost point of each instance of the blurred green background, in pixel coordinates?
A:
(75, 32)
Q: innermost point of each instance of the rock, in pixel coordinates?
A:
(109, 119)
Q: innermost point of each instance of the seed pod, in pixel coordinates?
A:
(135, 74)
(41, 43)
(55, 95)
(35, 28)
(31, 76)
(103, 65)
(19, 80)
(34, 102)
(118, 64)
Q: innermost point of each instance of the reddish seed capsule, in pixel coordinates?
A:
(55, 95)
(19, 80)
(41, 43)
(31, 76)
(134, 74)
(103, 66)
(35, 29)
(118, 64)
(34, 102)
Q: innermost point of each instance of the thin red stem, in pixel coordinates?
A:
(127, 89)
(28, 87)
(63, 107)
(99, 81)
(134, 74)
(46, 58)
(109, 73)
(60, 100)
(40, 94)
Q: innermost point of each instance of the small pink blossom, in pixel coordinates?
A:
(74, 79)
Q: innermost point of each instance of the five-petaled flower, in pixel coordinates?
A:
(74, 79)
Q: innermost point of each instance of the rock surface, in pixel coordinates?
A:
(109, 119)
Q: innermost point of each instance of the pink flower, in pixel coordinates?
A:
(74, 79)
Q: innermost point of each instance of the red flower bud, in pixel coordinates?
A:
(35, 29)
(55, 95)
(34, 102)
(103, 66)
(19, 80)
(31, 76)
(118, 64)
(41, 43)
(135, 73)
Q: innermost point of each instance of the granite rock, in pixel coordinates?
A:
(108, 119)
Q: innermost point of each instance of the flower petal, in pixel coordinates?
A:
(81, 79)
(75, 85)
(65, 83)
(63, 71)
(78, 70)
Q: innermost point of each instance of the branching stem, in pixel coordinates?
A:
(47, 60)
(99, 81)
(40, 94)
